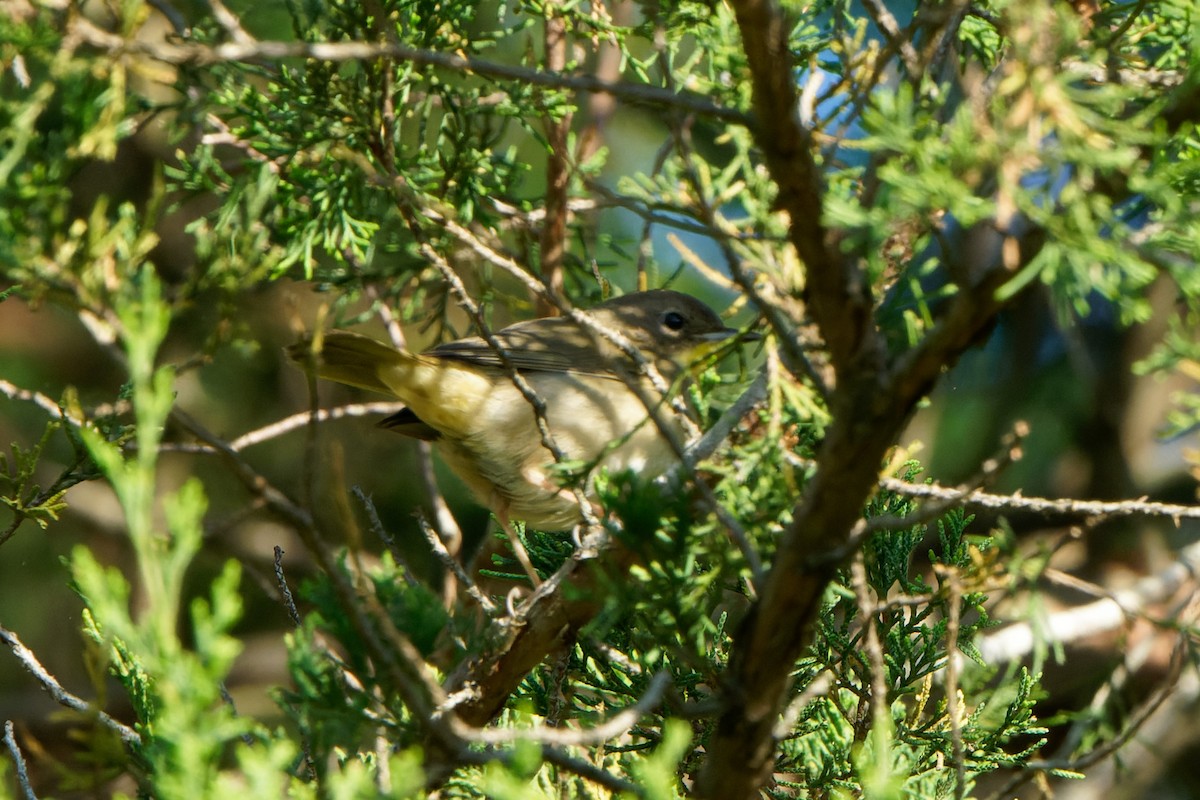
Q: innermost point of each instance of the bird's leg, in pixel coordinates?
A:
(572, 496)
(517, 546)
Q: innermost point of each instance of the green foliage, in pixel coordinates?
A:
(353, 174)
(183, 723)
(834, 742)
(23, 496)
(334, 166)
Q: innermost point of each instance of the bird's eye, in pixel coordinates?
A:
(674, 320)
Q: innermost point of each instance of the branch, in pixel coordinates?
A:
(454, 568)
(1101, 616)
(1009, 453)
(837, 294)
(582, 768)
(1066, 508)
(544, 622)
(616, 725)
(253, 51)
(870, 405)
(285, 592)
(400, 665)
(60, 695)
(288, 424)
(553, 239)
(896, 39)
(10, 741)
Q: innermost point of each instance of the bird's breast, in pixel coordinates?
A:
(597, 421)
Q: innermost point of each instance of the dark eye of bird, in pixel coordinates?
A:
(674, 320)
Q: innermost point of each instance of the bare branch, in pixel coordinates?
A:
(229, 21)
(578, 766)
(954, 708)
(616, 725)
(553, 238)
(1064, 507)
(837, 294)
(59, 694)
(895, 37)
(380, 532)
(1101, 616)
(956, 498)
(287, 425)
(42, 401)
(714, 437)
(880, 701)
(546, 621)
(456, 569)
(289, 602)
(10, 741)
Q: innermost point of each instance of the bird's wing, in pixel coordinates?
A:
(542, 345)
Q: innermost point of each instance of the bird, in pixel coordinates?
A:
(462, 396)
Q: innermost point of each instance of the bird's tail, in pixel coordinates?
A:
(444, 395)
(353, 359)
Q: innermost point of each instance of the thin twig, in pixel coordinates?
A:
(289, 602)
(59, 694)
(896, 38)
(381, 532)
(714, 437)
(552, 755)
(229, 21)
(616, 725)
(1018, 503)
(10, 741)
(287, 425)
(820, 686)
(954, 709)
(227, 698)
(879, 695)
(447, 526)
(42, 401)
(1012, 503)
(1010, 452)
(456, 569)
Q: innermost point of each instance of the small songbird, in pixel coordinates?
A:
(460, 396)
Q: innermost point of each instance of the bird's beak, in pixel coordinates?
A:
(730, 333)
(712, 342)
(750, 336)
